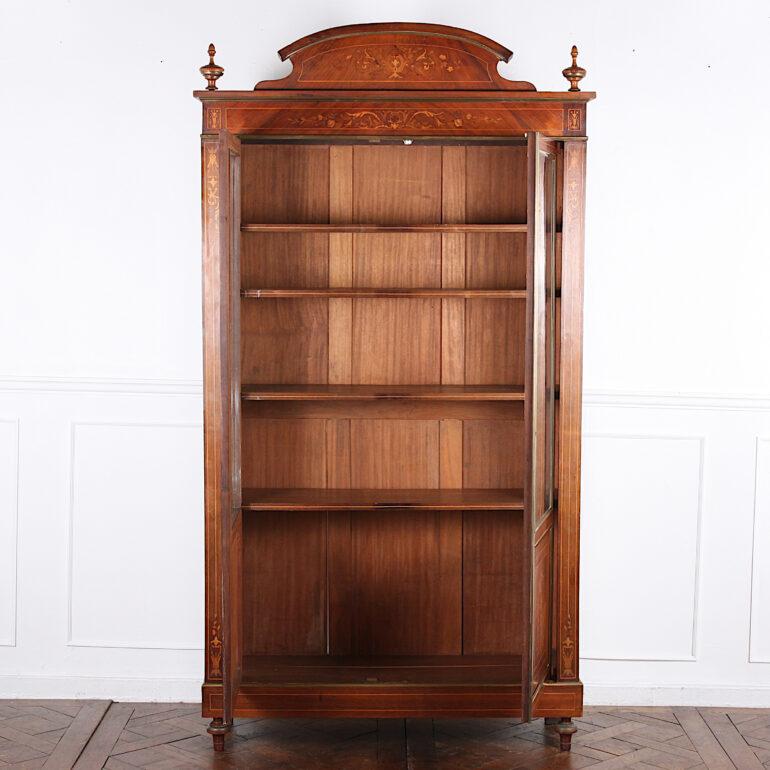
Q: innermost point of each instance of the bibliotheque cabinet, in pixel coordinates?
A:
(392, 263)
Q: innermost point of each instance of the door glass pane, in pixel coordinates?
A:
(544, 378)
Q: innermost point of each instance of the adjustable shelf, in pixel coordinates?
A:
(382, 393)
(363, 228)
(379, 499)
(383, 293)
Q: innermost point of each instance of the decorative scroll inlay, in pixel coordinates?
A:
(215, 650)
(568, 651)
(573, 119)
(212, 194)
(215, 118)
(398, 61)
(394, 119)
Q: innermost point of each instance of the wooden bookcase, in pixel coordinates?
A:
(392, 341)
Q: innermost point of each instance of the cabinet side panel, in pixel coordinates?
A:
(570, 412)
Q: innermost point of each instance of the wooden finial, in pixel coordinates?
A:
(573, 73)
(211, 71)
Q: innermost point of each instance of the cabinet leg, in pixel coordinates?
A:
(551, 721)
(566, 730)
(217, 730)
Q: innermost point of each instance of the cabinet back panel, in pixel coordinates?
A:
(312, 452)
(397, 260)
(403, 595)
(396, 342)
(284, 183)
(493, 454)
(285, 341)
(496, 261)
(398, 582)
(394, 454)
(284, 260)
(493, 619)
(289, 454)
(494, 341)
(395, 185)
(284, 583)
(496, 185)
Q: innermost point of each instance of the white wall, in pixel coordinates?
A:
(100, 409)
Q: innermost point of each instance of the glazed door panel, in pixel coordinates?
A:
(540, 413)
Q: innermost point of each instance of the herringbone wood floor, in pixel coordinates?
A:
(125, 736)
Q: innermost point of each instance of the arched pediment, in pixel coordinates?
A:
(395, 56)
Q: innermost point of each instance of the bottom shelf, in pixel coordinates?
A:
(376, 499)
(382, 670)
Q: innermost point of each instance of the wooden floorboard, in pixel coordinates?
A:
(89, 735)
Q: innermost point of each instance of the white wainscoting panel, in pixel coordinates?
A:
(759, 640)
(9, 512)
(136, 536)
(640, 546)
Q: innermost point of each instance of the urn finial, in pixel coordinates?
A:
(573, 73)
(212, 71)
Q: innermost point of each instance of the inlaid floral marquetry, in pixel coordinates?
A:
(394, 119)
(398, 62)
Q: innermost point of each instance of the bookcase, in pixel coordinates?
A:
(392, 263)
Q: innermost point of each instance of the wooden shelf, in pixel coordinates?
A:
(437, 228)
(383, 293)
(377, 499)
(382, 393)
(378, 670)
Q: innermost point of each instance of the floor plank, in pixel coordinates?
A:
(89, 735)
(77, 736)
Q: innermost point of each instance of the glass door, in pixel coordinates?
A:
(540, 413)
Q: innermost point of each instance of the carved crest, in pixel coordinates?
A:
(423, 56)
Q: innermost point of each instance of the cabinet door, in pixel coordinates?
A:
(221, 398)
(540, 414)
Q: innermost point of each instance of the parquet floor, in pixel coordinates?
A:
(63, 734)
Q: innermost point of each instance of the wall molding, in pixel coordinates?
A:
(677, 400)
(591, 397)
(14, 613)
(703, 695)
(701, 441)
(754, 544)
(101, 385)
(156, 689)
(70, 641)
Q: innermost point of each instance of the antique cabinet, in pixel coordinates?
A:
(392, 266)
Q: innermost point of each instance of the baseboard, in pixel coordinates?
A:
(750, 696)
(125, 689)
(162, 690)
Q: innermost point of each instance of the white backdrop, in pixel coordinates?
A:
(100, 408)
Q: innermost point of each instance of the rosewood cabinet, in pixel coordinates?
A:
(392, 258)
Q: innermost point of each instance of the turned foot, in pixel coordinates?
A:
(217, 730)
(566, 730)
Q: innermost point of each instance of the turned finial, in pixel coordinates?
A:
(211, 71)
(573, 73)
